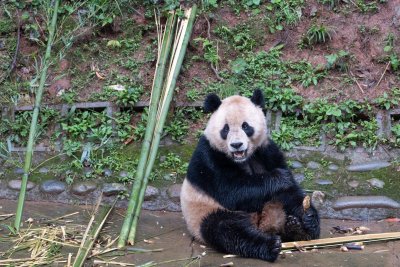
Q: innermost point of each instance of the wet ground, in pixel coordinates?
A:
(167, 230)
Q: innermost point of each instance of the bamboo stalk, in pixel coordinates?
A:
(35, 116)
(155, 96)
(88, 241)
(340, 240)
(180, 45)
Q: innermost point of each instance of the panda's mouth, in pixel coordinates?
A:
(239, 155)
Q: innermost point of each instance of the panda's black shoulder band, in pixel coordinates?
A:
(258, 98)
(211, 103)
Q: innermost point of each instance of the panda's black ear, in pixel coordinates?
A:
(258, 98)
(211, 103)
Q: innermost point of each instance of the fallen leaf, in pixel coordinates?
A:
(99, 76)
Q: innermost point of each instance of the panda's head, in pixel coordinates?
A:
(237, 125)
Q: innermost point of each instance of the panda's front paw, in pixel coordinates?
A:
(311, 223)
(274, 245)
(293, 224)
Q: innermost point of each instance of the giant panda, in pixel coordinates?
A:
(239, 197)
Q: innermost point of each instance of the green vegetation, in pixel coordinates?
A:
(317, 34)
(109, 50)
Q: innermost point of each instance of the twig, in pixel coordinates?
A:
(383, 74)
(358, 84)
(61, 217)
(95, 262)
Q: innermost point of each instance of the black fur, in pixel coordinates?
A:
(224, 132)
(248, 129)
(242, 192)
(211, 103)
(233, 233)
(258, 98)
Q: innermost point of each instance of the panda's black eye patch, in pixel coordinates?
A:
(224, 132)
(247, 129)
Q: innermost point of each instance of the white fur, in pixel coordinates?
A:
(234, 111)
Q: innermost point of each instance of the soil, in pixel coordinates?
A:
(367, 66)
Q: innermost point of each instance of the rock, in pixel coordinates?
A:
(151, 193)
(16, 185)
(2, 173)
(43, 170)
(163, 158)
(323, 182)
(19, 171)
(107, 172)
(123, 174)
(83, 188)
(353, 183)
(372, 202)
(2, 44)
(174, 192)
(296, 165)
(313, 165)
(112, 189)
(313, 11)
(333, 167)
(299, 177)
(53, 187)
(317, 198)
(368, 166)
(396, 17)
(376, 183)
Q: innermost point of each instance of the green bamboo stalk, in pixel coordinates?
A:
(155, 96)
(35, 116)
(175, 67)
(88, 241)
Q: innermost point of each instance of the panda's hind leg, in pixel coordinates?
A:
(235, 233)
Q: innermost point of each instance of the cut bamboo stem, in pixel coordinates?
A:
(155, 97)
(35, 116)
(89, 239)
(180, 45)
(340, 240)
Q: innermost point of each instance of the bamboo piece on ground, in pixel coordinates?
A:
(35, 116)
(341, 240)
(180, 45)
(89, 239)
(155, 96)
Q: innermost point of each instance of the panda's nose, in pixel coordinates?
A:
(236, 145)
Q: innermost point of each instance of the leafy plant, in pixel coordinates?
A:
(339, 60)
(387, 101)
(193, 95)
(210, 51)
(284, 99)
(364, 7)
(178, 127)
(317, 34)
(239, 37)
(283, 12)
